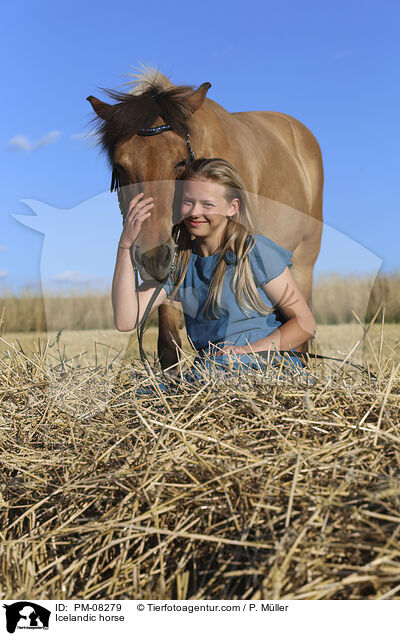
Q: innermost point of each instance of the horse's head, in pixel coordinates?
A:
(147, 162)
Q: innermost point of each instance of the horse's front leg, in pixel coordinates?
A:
(169, 323)
(304, 258)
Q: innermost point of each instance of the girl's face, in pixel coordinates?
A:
(204, 208)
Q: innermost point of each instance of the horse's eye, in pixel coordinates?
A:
(120, 178)
(115, 178)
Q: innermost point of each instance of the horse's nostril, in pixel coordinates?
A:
(168, 254)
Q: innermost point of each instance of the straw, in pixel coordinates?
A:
(250, 486)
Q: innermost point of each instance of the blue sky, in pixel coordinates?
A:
(332, 66)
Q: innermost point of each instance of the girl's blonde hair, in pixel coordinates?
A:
(239, 236)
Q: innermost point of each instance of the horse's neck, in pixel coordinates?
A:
(218, 133)
(212, 126)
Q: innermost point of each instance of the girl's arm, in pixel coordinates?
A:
(300, 326)
(123, 295)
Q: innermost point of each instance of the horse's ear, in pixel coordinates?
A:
(198, 96)
(103, 110)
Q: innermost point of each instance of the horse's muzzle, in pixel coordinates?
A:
(155, 264)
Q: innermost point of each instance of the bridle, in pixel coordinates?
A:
(156, 130)
(115, 186)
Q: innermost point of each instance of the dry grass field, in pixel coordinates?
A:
(335, 300)
(100, 346)
(257, 486)
(261, 486)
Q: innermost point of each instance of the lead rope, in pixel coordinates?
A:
(140, 328)
(307, 356)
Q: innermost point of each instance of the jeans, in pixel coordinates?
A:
(227, 365)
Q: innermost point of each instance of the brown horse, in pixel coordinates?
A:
(277, 156)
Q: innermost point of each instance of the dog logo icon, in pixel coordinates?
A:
(26, 615)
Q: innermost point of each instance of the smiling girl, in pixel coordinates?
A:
(229, 280)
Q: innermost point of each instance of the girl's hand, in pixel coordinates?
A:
(231, 349)
(138, 211)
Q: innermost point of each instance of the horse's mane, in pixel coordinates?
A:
(151, 95)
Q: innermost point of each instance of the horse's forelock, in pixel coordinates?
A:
(145, 78)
